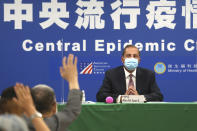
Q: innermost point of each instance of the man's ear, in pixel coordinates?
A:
(122, 59)
(54, 109)
(139, 60)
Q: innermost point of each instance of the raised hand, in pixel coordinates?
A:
(69, 72)
(24, 98)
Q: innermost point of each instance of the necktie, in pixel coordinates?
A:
(131, 84)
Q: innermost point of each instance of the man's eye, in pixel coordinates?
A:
(136, 56)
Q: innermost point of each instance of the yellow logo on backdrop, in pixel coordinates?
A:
(160, 68)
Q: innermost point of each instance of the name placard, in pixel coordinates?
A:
(133, 99)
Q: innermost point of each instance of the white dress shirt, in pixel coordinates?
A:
(127, 78)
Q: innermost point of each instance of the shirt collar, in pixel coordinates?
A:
(128, 73)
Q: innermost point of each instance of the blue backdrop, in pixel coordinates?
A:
(36, 34)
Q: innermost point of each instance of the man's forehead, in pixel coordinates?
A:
(132, 50)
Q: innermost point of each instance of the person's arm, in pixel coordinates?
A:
(24, 99)
(106, 89)
(155, 93)
(61, 120)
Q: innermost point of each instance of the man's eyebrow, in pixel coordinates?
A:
(133, 54)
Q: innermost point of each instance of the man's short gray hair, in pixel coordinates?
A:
(44, 97)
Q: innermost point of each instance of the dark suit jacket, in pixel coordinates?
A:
(114, 84)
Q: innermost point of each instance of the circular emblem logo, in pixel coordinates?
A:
(160, 67)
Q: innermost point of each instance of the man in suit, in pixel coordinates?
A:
(129, 79)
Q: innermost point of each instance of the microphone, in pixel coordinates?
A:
(109, 99)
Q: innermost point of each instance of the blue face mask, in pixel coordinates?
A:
(131, 63)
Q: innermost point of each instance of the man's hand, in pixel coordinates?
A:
(131, 91)
(24, 99)
(69, 72)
